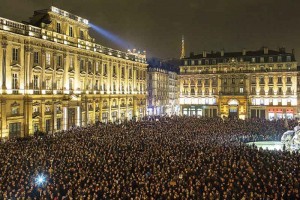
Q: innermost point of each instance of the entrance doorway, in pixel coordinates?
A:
(233, 112)
(233, 108)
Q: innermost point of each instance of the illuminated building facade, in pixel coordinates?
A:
(163, 88)
(245, 84)
(54, 76)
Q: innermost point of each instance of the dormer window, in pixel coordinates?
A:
(270, 59)
(58, 27)
(262, 59)
(279, 59)
(81, 35)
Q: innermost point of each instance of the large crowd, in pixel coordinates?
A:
(169, 158)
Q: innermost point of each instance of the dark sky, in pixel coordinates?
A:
(157, 25)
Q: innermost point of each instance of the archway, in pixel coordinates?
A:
(233, 108)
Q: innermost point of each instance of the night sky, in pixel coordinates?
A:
(157, 25)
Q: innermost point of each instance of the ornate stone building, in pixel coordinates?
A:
(54, 76)
(163, 94)
(245, 84)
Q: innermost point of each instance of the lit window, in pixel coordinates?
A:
(15, 55)
(48, 59)
(288, 58)
(279, 59)
(14, 81)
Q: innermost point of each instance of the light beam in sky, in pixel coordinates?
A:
(110, 36)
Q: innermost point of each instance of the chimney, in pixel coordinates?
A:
(266, 50)
(282, 50)
(191, 54)
(244, 51)
(204, 54)
(222, 52)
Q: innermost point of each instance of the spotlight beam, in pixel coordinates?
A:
(110, 36)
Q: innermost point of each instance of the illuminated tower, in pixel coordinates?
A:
(182, 48)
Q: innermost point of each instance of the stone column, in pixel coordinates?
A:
(4, 126)
(100, 111)
(54, 113)
(28, 116)
(65, 118)
(94, 112)
(43, 70)
(4, 45)
(77, 116)
(42, 123)
(109, 110)
(65, 74)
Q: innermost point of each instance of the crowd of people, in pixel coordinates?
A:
(170, 158)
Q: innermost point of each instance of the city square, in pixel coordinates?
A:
(109, 104)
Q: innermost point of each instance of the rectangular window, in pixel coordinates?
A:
(81, 35)
(71, 84)
(270, 80)
(71, 63)
(15, 54)
(97, 67)
(14, 81)
(279, 59)
(253, 90)
(58, 123)
(262, 59)
(58, 27)
(241, 90)
(96, 84)
(48, 59)
(59, 61)
(36, 57)
(288, 58)
(81, 65)
(71, 31)
(48, 125)
(35, 82)
(48, 84)
(280, 80)
(253, 60)
(14, 129)
(289, 80)
(233, 80)
(270, 59)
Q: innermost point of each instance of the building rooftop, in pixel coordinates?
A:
(222, 54)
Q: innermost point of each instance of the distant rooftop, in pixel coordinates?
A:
(222, 54)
